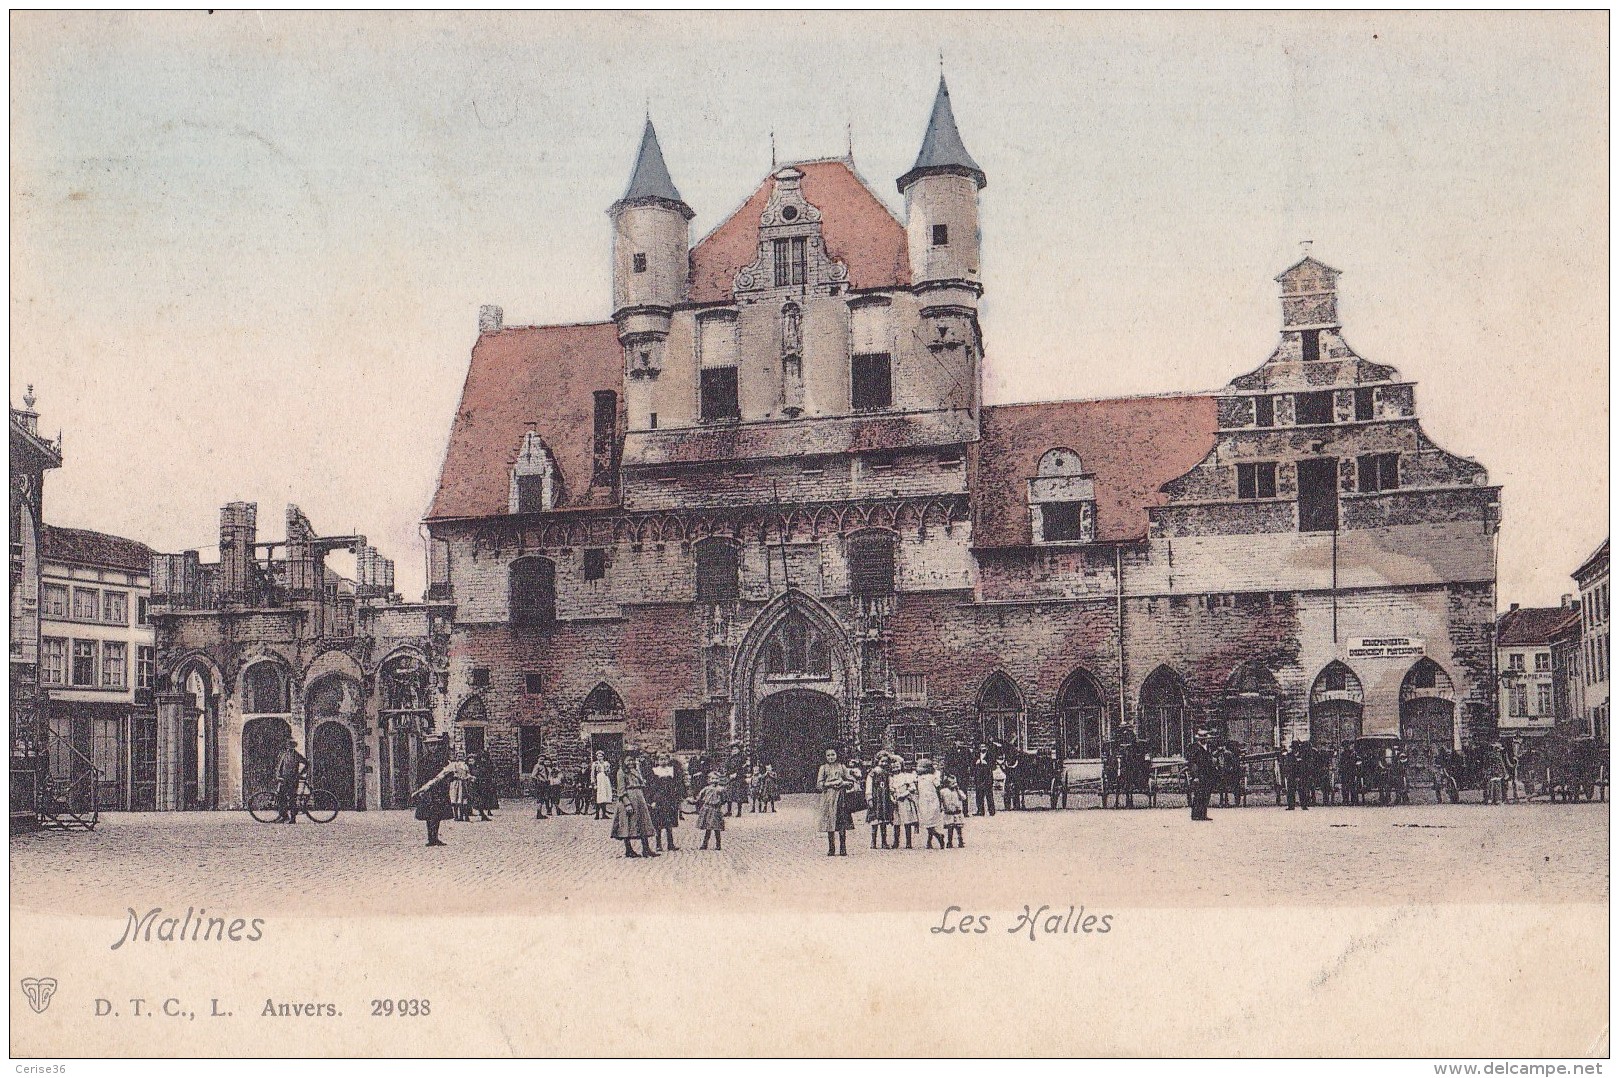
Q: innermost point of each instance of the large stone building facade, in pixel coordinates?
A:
(270, 643)
(32, 455)
(765, 504)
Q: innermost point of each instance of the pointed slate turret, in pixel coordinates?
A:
(942, 149)
(650, 182)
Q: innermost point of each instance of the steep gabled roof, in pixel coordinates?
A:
(1534, 624)
(80, 546)
(1132, 445)
(1598, 559)
(546, 375)
(942, 149)
(857, 229)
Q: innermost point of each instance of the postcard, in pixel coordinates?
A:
(767, 534)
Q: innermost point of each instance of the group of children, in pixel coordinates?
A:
(903, 797)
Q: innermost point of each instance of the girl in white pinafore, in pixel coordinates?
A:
(929, 808)
(601, 773)
(903, 787)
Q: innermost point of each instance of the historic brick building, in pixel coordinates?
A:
(32, 455)
(765, 503)
(270, 643)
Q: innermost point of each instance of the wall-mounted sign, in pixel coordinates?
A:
(1386, 647)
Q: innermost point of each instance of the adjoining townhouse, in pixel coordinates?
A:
(765, 503)
(97, 657)
(1534, 669)
(269, 643)
(1595, 656)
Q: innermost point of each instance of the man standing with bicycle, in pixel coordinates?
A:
(289, 768)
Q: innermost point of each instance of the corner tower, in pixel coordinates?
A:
(941, 212)
(650, 258)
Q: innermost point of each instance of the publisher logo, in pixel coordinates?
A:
(39, 991)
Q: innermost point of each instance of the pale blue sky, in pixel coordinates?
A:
(248, 249)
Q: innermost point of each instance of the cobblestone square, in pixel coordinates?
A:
(375, 862)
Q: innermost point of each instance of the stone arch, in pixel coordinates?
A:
(1081, 715)
(1249, 712)
(201, 687)
(1001, 710)
(1337, 702)
(1060, 461)
(1164, 712)
(1427, 712)
(750, 684)
(264, 685)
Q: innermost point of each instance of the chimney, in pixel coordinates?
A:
(491, 319)
(1513, 607)
(238, 536)
(1568, 602)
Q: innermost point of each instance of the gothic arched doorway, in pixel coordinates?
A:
(1249, 712)
(796, 727)
(262, 741)
(1335, 707)
(331, 761)
(1427, 712)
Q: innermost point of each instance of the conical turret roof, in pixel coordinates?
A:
(650, 182)
(942, 149)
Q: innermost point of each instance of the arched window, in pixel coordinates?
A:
(472, 723)
(1079, 704)
(533, 592)
(718, 570)
(871, 563)
(265, 690)
(1163, 712)
(603, 703)
(795, 649)
(1000, 711)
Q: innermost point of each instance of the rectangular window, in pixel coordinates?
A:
(114, 664)
(142, 614)
(1312, 408)
(595, 564)
(1364, 405)
(115, 608)
(1264, 411)
(1519, 706)
(941, 235)
(53, 661)
(1061, 522)
(1378, 471)
(691, 731)
(534, 684)
(479, 677)
(873, 382)
(530, 493)
(605, 446)
(1256, 480)
(145, 666)
(789, 261)
(640, 263)
(86, 604)
(1543, 700)
(719, 394)
(54, 604)
(84, 662)
(1543, 662)
(1311, 340)
(1515, 661)
(1318, 494)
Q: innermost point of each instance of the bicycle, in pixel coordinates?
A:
(319, 805)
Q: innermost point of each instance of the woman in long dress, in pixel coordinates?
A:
(903, 786)
(665, 790)
(601, 777)
(929, 807)
(632, 818)
(834, 818)
(879, 801)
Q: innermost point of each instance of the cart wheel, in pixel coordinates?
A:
(322, 806)
(262, 806)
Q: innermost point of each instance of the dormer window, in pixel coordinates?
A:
(941, 235)
(536, 484)
(789, 261)
(1062, 499)
(640, 262)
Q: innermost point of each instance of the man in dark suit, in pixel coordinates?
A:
(290, 766)
(1296, 776)
(983, 776)
(1199, 774)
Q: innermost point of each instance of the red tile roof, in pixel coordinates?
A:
(1534, 624)
(546, 375)
(79, 546)
(857, 228)
(1132, 445)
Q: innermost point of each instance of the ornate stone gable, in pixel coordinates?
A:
(790, 220)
